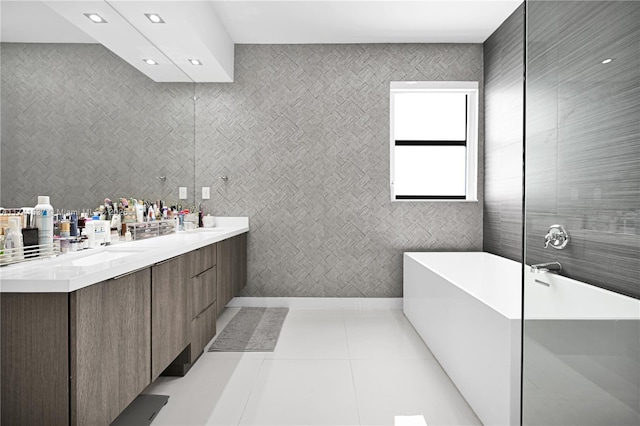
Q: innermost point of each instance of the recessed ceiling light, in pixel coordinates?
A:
(154, 18)
(195, 61)
(150, 62)
(96, 18)
(606, 61)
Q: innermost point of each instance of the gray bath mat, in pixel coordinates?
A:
(251, 330)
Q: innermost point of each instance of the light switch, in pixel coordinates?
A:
(182, 192)
(206, 192)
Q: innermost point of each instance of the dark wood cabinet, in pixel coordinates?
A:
(240, 263)
(76, 358)
(35, 359)
(203, 290)
(232, 269)
(201, 259)
(80, 358)
(110, 337)
(203, 328)
(169, 312)
(202, 298)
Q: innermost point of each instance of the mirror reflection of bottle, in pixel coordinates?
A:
(73, 222)
(65, 228)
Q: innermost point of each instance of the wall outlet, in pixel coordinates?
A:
(206, 192)
(182, 192)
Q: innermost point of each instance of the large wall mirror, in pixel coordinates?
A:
(80, 124)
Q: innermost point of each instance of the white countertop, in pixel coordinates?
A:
(73, 271)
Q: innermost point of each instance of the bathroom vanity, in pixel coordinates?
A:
(84, 333)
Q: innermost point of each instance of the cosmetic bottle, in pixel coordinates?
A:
(84, 239)
(3, 259)
(65, 228)
(116, 222)
(44, 223)
(13, 244)
(73, 222)
(90, 231)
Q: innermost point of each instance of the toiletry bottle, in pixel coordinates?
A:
(139, 212)
(13, 244)
(90, 231)
(73, 221)
(116, 222)
(44, 223)
(65, 228)
(84, 239)
(3, 259)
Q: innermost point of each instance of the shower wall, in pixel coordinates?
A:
(503, 121)
(582, 367)
(583, 139)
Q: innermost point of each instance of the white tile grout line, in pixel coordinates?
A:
(253, 387)
(255, 382)
(353, 379)
(330, 303)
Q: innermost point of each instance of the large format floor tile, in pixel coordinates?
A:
(384, 337)
(404, 387)
(214, 392)
(311, 337)
(330, 367)
(303, 392)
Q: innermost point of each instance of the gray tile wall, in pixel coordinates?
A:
(79, 124)
(503, 123)
(303, 136)
(583, 139)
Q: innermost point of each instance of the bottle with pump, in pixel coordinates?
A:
(44, 223)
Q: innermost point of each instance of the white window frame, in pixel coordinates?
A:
(470, 88)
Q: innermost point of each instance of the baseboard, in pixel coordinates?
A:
(337, 303)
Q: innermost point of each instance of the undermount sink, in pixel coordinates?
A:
(125, 248)
(104, 256)
(211, 229)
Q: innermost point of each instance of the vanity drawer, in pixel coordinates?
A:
(203, 291)
(202, 259)
(203, 328)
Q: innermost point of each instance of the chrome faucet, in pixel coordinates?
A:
(557, 237)
(547, 267)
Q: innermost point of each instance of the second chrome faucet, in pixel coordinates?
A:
(547, 267)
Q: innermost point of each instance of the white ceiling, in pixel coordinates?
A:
(208, 29)
(299, 22)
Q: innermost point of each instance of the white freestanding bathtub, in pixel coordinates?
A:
(466, 306)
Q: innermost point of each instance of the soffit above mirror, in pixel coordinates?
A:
(207, 30)
(191, 30)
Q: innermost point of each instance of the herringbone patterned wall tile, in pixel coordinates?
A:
(303, 134)
(80, 124)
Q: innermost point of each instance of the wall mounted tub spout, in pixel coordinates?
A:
(547, 267)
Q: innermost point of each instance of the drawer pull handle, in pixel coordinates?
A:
(128, 273)
(203, 272)
(163, 261)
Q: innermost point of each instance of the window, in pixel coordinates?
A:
(434, 140)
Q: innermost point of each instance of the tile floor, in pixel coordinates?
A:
(329, 368)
